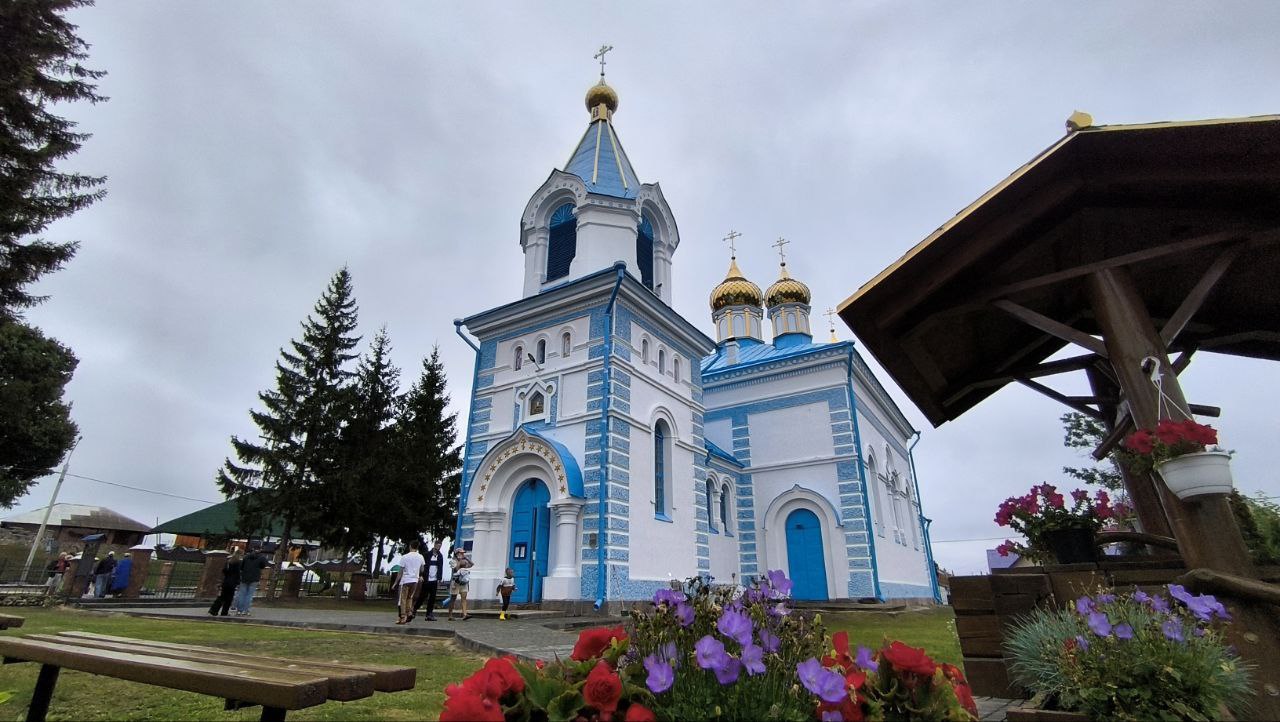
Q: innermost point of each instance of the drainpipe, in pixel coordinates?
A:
(862, 474)
(924, 523)
(602, 494)
(463, 485)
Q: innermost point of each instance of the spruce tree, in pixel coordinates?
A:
(426, 478)
(40, 56)
(35, 425)
(301, 428)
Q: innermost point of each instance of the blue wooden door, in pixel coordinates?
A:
(806, 564)
(530, 529)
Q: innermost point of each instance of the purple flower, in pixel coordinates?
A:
(736, 626)
(1141, 597)
(866, 659)
(1099, 624)
(1082, 642)
(661, 675)
(779, 585)
(684, 614)
(1204, 606)
(753, 659)
(670, 597)
(671, 654)
(1124, 631)
(779, 610)
(728, 669)
(832, 715)
(828, 685)
(1159, 604)
(1106, 598)
(1172, 629)
(769, 641)
(1084, 605)
(710, 652)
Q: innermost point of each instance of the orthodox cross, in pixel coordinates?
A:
(831, 321)
(600, 56)
(733, 249)
(781, 252)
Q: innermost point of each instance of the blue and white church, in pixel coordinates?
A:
(612, 446)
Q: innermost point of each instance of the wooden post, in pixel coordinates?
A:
(141, 557)
(1205, 528)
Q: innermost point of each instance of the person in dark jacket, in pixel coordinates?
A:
(120, 576)
(250, 574)
(431, 577)
(230, 580)
(102, 574)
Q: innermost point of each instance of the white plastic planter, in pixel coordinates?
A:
(1205, 472)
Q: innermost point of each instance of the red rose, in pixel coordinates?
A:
(909, 659)
(603, 689)
(640, 713)
(592, 642)
(504, 675)
(464, 705)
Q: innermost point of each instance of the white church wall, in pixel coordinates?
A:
(720, 433)
(774, 439)
(662, 550)
(573, 394)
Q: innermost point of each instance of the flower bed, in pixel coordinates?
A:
(704, 653)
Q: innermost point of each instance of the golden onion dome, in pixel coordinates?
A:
(601, 94)
(735, 290)
(786, 290)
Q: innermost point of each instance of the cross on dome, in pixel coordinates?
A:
(781, 251)
(733, 249)
(600, 56)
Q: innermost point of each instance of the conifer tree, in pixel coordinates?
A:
(35, 425)
(301, 427)
(426, 478)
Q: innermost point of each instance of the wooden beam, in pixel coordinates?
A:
(1196, 297)
(1052, 327)
(1209, 581)
(1184, 359)
(1062, 398)
(1202, 410)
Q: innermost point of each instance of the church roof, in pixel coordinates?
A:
(759, 353)
(602, 164)
(719, 453)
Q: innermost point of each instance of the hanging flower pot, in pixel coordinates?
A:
(1072, 546)
(1205, 472)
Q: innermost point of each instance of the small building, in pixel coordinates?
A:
(70, 523)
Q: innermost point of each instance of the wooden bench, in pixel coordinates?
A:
(242, 680)
(8, 621)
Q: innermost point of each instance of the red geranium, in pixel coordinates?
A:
(1145, 448)
(505, 676)
(463, 704)
(909, 659)
(640, 713)
(593, 642)
(842, 658)
(603, 689)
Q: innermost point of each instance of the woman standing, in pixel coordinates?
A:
(461, 567)
(230, 580)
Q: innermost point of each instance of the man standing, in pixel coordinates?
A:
(410, 568)
(250, 575)
(431, 582)
(102, 574)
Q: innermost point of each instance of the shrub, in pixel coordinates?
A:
(1131, 657)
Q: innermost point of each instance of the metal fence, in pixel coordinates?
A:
(181, 581)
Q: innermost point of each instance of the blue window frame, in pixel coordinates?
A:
(562, 245)
(644, 251)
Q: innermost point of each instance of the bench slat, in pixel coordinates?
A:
(281, 690)
(344, 684)
(386, 678)
(8, 621)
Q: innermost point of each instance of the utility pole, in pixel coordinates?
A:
(44, 523)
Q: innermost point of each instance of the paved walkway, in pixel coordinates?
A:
(527, 636)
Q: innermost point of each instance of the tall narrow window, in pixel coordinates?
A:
(644, 351)
(566, 345)
(874, 493)
(562, 244)
(542, 351)
(662, 361)
(644, 251)
(660, 467)
(724, 507)
(706, 490)
(518, 361)
(739, 325)
(675, 368)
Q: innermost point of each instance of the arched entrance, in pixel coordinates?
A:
(806, 563)
(530, 533)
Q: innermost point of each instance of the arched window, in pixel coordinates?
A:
(518, 361)
(739, 327)
(566, 345)
(644, 351)
(675, 368)
(791, 321)
(724, 326)
(644, 251)
(662, 360)
(562, 244)
(542, 351)
(875, 493)
(724, 508)
(537, 404)
(706, 490)
(661, 462)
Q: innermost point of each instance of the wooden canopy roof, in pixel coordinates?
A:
(1190, 209)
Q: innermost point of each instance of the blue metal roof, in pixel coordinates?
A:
(602, 164)
(761, 354)
(716, 451)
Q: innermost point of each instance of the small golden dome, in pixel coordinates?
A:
(735, 290)
(786, 290)
(601, 93)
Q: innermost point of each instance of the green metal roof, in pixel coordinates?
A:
(217, 520)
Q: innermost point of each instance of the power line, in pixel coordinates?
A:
(134, 488)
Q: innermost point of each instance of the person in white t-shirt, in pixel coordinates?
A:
(410, 570)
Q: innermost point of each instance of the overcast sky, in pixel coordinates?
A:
(252, 149)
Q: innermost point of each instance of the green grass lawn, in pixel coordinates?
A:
(81, 696)
(933, 629)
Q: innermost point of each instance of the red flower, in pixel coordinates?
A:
(909, 659)
(1169, 432)
(850, 709)
(464, 705)
(842, 657)
(640, 713)
(1004, 549)
(504, 675)
(1201, 433)
(965, 696)
(1140, 442)
(593, 642)
(603, 689)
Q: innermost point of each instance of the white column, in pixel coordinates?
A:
(566, 513)
(535, 261)
(488, 552)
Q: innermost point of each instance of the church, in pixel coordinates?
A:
(612, 446)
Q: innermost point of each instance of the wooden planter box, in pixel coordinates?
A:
(1035, 714)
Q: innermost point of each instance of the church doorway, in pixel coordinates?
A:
(806, 563)
(530, 533)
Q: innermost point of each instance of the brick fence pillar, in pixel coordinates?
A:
(141, 557)
(166, 573)
(292, 582)
(359, 586)
(211, 576)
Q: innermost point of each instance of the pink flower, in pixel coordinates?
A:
(1004, 549)
(1079, 495)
